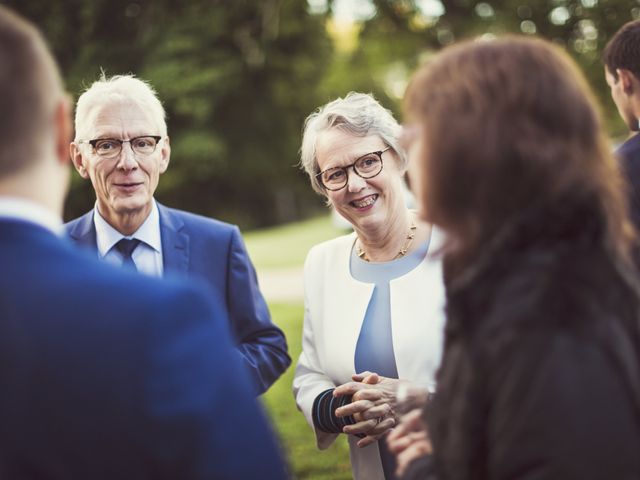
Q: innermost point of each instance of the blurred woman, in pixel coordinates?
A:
(540, 376)
(373, 298)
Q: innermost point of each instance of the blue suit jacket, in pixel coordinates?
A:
(107, 374)
(629, 155)
(213, 251)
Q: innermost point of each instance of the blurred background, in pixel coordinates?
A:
(238, 77)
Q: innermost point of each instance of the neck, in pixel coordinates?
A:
(40, 185)
(127, 223)
(385, 245)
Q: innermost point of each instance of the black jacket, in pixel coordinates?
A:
(540, 374)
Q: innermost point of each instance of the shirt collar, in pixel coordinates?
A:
(19, 208)
(148, 232)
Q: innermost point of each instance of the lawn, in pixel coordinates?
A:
(306, 461)
(285, 247)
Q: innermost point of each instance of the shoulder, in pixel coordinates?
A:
(331, 249)
(340, 244)
(630, 146)
(629, 153)
(195, 221)
(79, 224)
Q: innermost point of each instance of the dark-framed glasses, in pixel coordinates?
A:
(111, 147)
(366, 166)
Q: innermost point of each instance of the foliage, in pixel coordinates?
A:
(581, 26)
(237, 79)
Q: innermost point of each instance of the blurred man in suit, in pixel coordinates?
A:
(122, 147)
(105, 374)
(621, 59)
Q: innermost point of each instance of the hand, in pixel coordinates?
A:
(409, 441)
(372, 406)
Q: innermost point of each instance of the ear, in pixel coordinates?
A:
(627, 79)
(78, 160)
(165, 154)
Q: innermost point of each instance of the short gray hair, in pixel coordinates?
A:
(117, 88)
(357, 113)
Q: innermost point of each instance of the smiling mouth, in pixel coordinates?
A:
(128, 186)
(365, 202)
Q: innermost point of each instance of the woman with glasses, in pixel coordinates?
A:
(540, 376)
(373, 298)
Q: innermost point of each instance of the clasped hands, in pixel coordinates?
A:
(373, 405)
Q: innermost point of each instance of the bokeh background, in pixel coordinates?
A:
(238, 77)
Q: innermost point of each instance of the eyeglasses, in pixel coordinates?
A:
(367, 166)
(111, 147)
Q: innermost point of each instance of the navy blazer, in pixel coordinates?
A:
(213, 251)
(629, 156)
(107, 374)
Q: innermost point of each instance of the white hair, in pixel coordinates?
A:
(114, 89)
(357, 113)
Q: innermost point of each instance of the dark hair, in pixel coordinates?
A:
(30, 87)
(506, 124)
(623, 50)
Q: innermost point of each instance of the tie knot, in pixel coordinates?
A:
(126, 246)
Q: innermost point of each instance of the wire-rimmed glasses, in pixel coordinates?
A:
(111, 147)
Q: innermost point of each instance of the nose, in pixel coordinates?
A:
(127, 160)
(355, 182)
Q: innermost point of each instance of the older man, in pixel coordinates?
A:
(122, 146)
(104, 374)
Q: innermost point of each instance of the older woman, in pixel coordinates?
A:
(373, 298)
(541, 371)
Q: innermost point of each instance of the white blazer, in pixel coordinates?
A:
(335, 306)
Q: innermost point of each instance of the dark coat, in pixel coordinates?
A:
(106, 374)
(540, 374)
(629, 156)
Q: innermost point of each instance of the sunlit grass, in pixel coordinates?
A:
(306, 461)
(287, 246)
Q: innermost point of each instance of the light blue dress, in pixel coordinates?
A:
(374, 349)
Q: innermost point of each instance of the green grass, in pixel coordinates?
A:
(287, 246)
(298, 440)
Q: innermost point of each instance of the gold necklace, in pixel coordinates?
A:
(403, 251)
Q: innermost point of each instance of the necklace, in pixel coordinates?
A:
(403, 251)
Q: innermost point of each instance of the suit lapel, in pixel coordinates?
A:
(83, 231)
(175, 242)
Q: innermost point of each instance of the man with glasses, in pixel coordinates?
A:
(122, 146)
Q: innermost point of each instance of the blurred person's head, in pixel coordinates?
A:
(122, 146)
(34, 118)
(508, 126)
(621, 59)
(350, 151)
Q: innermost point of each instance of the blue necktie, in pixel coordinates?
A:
(126, 247)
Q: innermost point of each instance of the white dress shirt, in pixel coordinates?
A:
(21, 209)
(147, 256)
